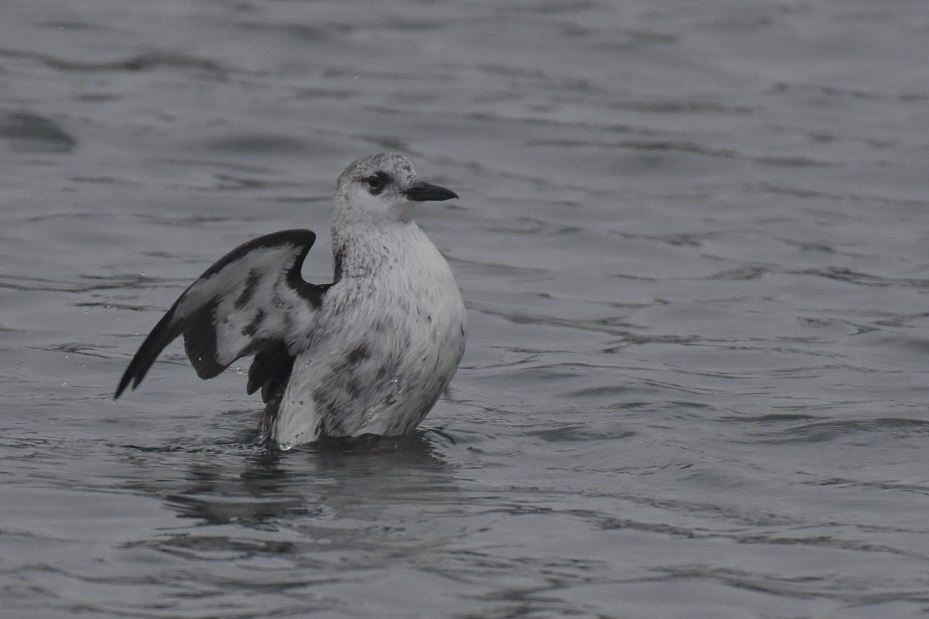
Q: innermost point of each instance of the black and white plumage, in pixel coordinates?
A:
(369, 353)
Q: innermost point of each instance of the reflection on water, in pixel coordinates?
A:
(283, 522)
(337, 479)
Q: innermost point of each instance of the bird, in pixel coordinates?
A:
(368, 353)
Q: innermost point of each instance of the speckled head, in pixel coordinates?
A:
(383, 187)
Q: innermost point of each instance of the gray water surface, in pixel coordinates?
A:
(692, 240)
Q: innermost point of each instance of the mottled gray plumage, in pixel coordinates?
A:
(369, 353)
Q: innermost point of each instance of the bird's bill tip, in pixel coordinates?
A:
(426, 192)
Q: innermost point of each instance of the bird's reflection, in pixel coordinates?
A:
(356, 477)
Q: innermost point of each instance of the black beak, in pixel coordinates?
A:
(423, 192)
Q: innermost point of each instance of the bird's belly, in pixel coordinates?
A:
(378, 373)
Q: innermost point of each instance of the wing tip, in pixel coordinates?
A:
(162, 335)
(124, 382)
(132, 376)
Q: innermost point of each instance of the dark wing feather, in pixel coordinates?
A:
(252, 301)
(270, 372)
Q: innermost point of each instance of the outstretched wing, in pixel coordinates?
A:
(253, 301)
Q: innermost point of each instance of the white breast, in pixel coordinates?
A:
(389, 338)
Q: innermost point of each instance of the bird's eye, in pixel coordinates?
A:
(376, 182)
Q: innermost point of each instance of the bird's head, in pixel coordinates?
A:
(383, 188)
